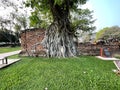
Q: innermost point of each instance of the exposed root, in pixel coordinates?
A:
(59, 42)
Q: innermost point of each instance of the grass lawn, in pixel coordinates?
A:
(8, 49)
(83, 73)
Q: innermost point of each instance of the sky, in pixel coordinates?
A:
(106, 12)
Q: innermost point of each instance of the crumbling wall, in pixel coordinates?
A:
(31, 42)
(31, 45)
(94, 50)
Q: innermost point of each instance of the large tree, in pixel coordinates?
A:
(59, 38)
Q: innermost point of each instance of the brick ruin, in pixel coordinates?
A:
(31, 44)
(94, 49)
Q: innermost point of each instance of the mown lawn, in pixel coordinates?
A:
(83, 73)
(8, 49)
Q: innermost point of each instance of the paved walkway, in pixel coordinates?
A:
(117, 64)
(10, 53)
(10, 61)
(107, 58)
(116, 61)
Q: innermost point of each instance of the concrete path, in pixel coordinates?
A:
(10, 53)
(10, 61)
(116, 61)
(117, 64)
(107, 58)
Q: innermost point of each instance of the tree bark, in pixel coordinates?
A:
(59, 37)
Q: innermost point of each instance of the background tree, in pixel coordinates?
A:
(100, 34)
(59, 37)
(82, 23)
(109, 34)
(15, 19)
(112, 33)
(7, 37)
(4, 30)
(38, 21)
(83, 20)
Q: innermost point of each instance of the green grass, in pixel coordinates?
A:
(14, 57)
(83, 73)
(8, 49)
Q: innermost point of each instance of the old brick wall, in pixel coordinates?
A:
(31, 44)
(31, 41)
(94, 50)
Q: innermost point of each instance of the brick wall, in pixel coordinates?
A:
(31, 41)
(31, 44)
(94, 50)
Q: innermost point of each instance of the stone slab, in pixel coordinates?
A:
(10, 61)
(107, 58)
(117, 64)
(9, 53)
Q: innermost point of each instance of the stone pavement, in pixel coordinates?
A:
(10, 61)
(107, 58)
(10, 53)
(117, 64)
(116, 61)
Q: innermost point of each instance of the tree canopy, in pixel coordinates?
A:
(109, 33)
(42, 14)
(14, 20)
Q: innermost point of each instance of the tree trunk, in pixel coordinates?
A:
(59, 38)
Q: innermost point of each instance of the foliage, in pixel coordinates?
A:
(14, 20)
(35, 21)
(21, 22)
(86, 73)
(109, 33)
(83, 20)
(101, 33)
(7, 36)
(42, 15)
(14, 16)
